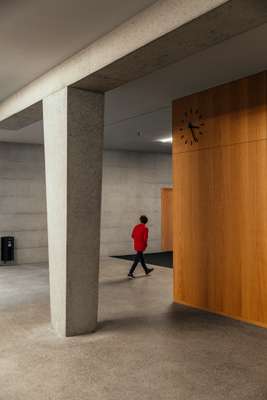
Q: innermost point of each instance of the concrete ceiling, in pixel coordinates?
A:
(145, 104)
(36, 35)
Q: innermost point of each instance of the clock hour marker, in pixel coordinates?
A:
(181, 129)
(182, 137)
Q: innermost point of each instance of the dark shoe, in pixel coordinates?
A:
(131, 276)
(149, 270)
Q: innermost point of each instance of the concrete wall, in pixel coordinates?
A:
(22, 200)
(132, 186)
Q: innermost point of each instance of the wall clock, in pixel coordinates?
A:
(191, 126)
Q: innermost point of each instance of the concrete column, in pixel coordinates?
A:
(73, 135)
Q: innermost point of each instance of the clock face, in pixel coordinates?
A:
(191, 126)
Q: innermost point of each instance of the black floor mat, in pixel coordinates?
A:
(163, 259)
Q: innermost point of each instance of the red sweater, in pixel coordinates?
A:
(140, 236)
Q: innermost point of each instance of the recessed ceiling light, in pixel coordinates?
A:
(165, 140)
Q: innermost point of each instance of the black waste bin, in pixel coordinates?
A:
(7, 248)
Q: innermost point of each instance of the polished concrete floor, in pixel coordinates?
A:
(145, 347)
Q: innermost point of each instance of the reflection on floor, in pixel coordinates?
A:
(163, 259)
(145, 347)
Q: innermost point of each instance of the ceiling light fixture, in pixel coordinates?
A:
(165, 140)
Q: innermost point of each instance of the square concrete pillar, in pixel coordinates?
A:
(73, 136)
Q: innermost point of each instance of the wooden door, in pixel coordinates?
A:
(166, 219)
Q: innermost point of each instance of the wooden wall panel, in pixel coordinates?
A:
(232, 113)
(166, 219)
(220, 201)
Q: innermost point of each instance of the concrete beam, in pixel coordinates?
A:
(24, 118)
(164, 33)
(155, 21)
(214, 27)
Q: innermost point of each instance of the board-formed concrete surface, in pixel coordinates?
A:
(131, 187)
(23, 200)
(145, 347)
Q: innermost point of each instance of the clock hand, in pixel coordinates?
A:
(193, 134)
(195, 126)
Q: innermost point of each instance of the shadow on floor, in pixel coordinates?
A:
(125, 280)
(183, 319)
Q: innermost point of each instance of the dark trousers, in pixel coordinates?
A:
(139, 257)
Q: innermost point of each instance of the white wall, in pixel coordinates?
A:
(132, 185)
(22, 200)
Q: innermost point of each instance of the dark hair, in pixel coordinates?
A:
(143, 219)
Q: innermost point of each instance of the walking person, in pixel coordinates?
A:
(140, 237)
